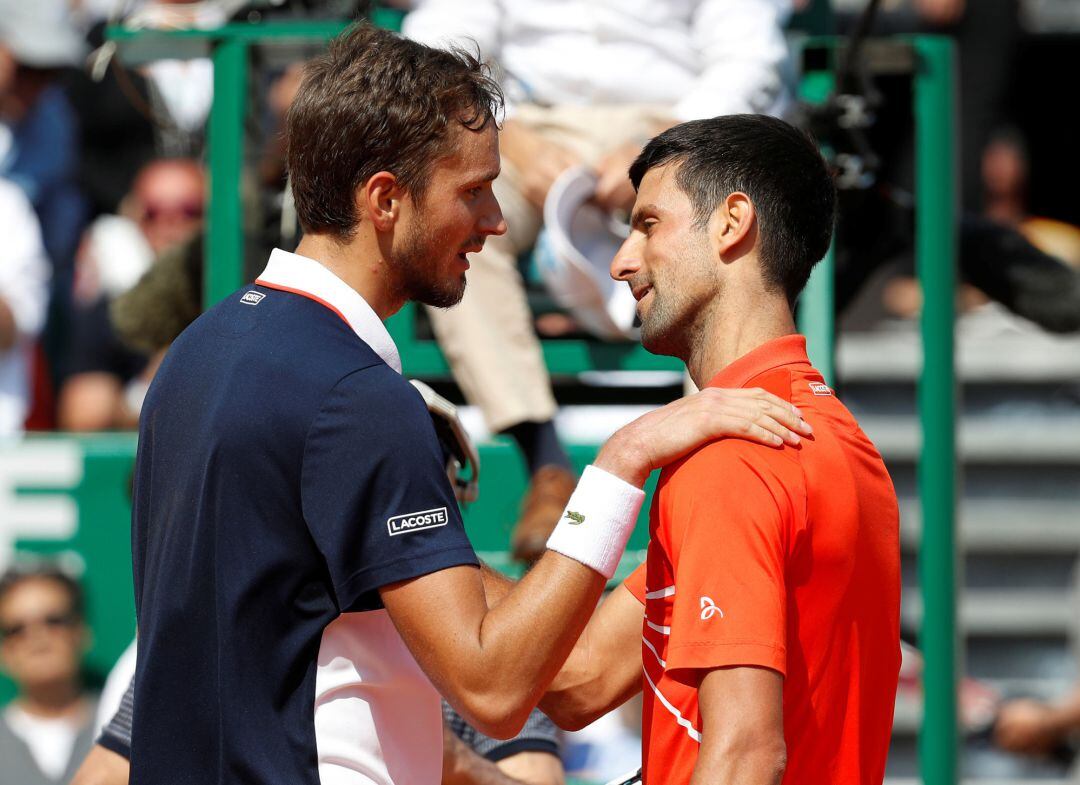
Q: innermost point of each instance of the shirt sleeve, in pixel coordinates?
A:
(635, 582)
(374, 489)
(733, 523)
(116, 735)
(744, 57)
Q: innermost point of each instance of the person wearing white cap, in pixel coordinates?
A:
(587, 83)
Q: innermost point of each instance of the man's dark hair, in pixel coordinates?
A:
(377, 102)
(777, 165)
(48, 572)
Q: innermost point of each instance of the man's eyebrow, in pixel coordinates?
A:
(641, 212)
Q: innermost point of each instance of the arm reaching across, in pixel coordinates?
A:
(494, 663)
(604, 669)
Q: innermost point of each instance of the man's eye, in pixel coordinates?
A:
(474, 192)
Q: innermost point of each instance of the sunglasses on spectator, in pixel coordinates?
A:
(191, 211)
(52, 621)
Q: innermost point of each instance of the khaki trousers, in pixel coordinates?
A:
(488, 338)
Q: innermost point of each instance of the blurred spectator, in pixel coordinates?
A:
(38, 132)
(48, 728)
(1037, 728)
(1005, 172)
(586, 82)
(116, 130)
(181, 90)
(24, 279)
(987, 34)
(106, 382)
(876, 224)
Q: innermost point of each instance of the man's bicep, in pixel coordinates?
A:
(604, 669)
(615, 632)
(438, 616)
(751, 696)
(742, 726)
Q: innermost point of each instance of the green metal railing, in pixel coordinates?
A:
(933, 85)
(935, 252)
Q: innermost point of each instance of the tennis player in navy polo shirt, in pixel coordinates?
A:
(304, 585)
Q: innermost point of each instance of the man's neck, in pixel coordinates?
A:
(723, 339)
(62, 700)
(364, 271)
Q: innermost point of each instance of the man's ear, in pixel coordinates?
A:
(737, 220)
(379, 200)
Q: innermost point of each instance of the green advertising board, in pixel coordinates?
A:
(67, 498)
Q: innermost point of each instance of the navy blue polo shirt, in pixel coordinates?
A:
(285, 472)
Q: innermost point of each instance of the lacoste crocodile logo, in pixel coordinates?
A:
(575, 517)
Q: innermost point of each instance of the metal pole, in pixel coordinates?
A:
(817, 316)
(224, 266)
(935, 244)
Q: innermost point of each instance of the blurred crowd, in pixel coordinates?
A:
(103, 199)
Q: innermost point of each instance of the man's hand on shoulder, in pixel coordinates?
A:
(670, 432)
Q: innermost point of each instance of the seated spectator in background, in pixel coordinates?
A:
(1037, 728)
(24, 281)
(48, 728)
(586, 82)
(181, 91)
(106, 380)
(39, 140)
(1005, 174)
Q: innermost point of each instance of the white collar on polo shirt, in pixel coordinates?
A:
(302, 275)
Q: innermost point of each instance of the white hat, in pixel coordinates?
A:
(574, 253)
(39, 33)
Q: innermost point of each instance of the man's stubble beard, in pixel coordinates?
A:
(417, 279)
(676, 320)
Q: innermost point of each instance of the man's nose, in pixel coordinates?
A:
(627, 259)
(493, 222)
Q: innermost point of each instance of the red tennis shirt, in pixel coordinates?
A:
(784, 558)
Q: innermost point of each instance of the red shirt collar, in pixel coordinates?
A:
(788, 350)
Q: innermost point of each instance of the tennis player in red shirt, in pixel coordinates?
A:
(769, 650)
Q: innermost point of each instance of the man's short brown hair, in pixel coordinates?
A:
(377, 102)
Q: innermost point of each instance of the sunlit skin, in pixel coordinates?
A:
(699, 286)
(451, 218)
(408, 248)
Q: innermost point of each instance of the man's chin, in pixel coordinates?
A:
(655, 342)
(442, 297)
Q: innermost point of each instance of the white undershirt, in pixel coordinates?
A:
(50, 740)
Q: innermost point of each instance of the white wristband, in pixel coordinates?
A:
(597, 521)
